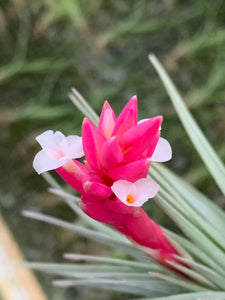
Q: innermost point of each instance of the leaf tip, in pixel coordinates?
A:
(152, 57)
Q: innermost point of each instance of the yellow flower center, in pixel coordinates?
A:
(130, 199)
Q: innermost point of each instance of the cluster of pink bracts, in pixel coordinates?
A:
(113, 179)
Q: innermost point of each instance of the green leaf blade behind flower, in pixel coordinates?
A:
(190, 207)
(198, 237)
(205, 150)
(138, 287)
(199, 202)
(191, 296)
(91, 234)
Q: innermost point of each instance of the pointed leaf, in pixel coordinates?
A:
(205, 150)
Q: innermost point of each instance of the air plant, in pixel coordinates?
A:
(121, 171)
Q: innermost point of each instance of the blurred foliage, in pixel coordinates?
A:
(101, 48)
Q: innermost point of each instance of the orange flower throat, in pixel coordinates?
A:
(130, 199)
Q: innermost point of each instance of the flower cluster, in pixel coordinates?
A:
(113, 180)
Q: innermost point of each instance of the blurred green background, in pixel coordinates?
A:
(101, 48)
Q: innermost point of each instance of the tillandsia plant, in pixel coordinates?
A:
(114, 181)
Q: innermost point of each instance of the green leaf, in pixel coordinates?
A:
(196, 252)
(82, 268)
(115, 261)
(194, 233)
(83, 106)
(114, 275)
(205, 150)
(178, 281)
(191, 296)
(104, 284)
(192, 274)
(170, 191)
(203, 205)
(142, 287)
(91, 234)
(218, 280)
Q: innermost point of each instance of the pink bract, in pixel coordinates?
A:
(118, 142)
(119, 151)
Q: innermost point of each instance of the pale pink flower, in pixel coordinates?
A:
(56, 151)
(137, 193)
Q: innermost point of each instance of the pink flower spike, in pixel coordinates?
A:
(137, 193)
(57, 150)
(107, 120)
(163, 151)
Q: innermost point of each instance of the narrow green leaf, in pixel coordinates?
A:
(191, 296)
(63, 194)
(91, 234)
(82, 268)
(177, 246)
(51, 181)
(171, 194)
(193, 274)
(83, 106)
(218, 280)
(203, 205)
(109, 285)
(191, 231)
(197, 253)
(178, 281)
(113, 275)
(114, 261)
(144, 287)
(205, 150)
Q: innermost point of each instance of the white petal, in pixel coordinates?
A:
(43, 162)
(146, 188)
(163, 151)
(59, 137)
(49, 139)
(122, 188)
(57, 150)
(75, 147)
